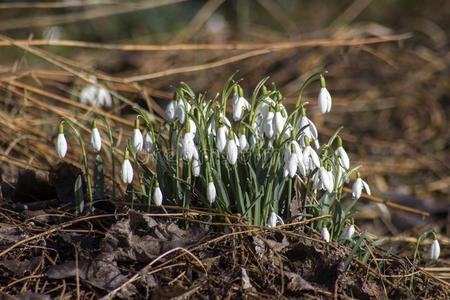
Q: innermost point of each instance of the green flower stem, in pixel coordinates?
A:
(84, 155)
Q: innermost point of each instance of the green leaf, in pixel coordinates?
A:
(99, 178)
(79, 196)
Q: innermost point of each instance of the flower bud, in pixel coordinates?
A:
(324, 98)
(211, 192)
(127, 169)
(61, 143)
(435, 250)
(137, 139)
(157, 195)
(232, 150)
(325, 234)
(96, 140)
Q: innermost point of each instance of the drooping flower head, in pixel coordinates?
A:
(324, 98)
(137, 138)
(96, 141)
(126, 170)
(61, 142)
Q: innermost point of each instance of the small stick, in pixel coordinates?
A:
(392, 204)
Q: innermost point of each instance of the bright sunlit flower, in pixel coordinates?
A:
(170, 111)
(359, 186)
(195, 167)
(211, 192)
(342, 155)
(137, 139)
(243, 144)
(435, 250)
(325, 234)
(239, 106)
(96, 140)
(349, 232)
(148, 143)
(103, 97)
(61, 142)
(310, 158)
(188, 146)
(127, 170)
(324, 98)
(221, 138)
(279, 120)
(157, 195)
(232, 149)
(268, 125)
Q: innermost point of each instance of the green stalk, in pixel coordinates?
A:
(84, 155)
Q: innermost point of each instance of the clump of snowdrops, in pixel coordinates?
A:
(241, 153)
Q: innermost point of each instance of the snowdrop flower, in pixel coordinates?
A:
(232, 150)
(88, 95)
(273, 219)
(342, 155)
(187, 146)
(239, 107)
(170, 111)
(61, 142)
(279, 121)
(221, 138)
(157, 195)
(310, 158)
(291, 160)
(181, 109)
(358, 187)
(138, 140)
(103, 97)
(196, 167)
(96, 140)
(243, 144)
(435, 250)
(211, 192)
(324, 98)
(127, 170)
(148, 143)
(325, 234)
(349, 232)
(326, 179)
(268, 125)
(192, 126)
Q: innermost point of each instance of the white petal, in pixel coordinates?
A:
(96, 140)
(357, 188)
(138, 140)
(211, 192)
(366, 187)
(148, 143)
(61, 145)
(104, 97)
(349, 232)
(170, 111)
(232, 152)
(243, 142)
(325, 234)
(157, 196)
(272, 220)
(127, 172)
(343, 157)
(195, 168)
(324, 100)
(221, 138)
(435, 250)
(293, 163)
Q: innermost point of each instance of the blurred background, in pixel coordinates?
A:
(388, 64)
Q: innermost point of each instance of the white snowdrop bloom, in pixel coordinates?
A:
(358, 188)
(148, 143)
(196, 167)
(268, 125)
(170, 111)
(127, 170)
(211, 192)
(61, 145)
(192, 126)
(221, 138)
(310, 158)
(324, 100)
(326, 180)
(103, 97)
(325, 234)
(239, 107)
(278, 122)
(232, 151)
(138, 140)
(243, 144)
(349, 232)
(435, 250)
(264, 107)
(343, 157)
(181, 109)
(309, 129)
(293, 164)
(88, 95)
(272, 220)
(288, 132)
(157, 195)
(187, 146)
(96, 140)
